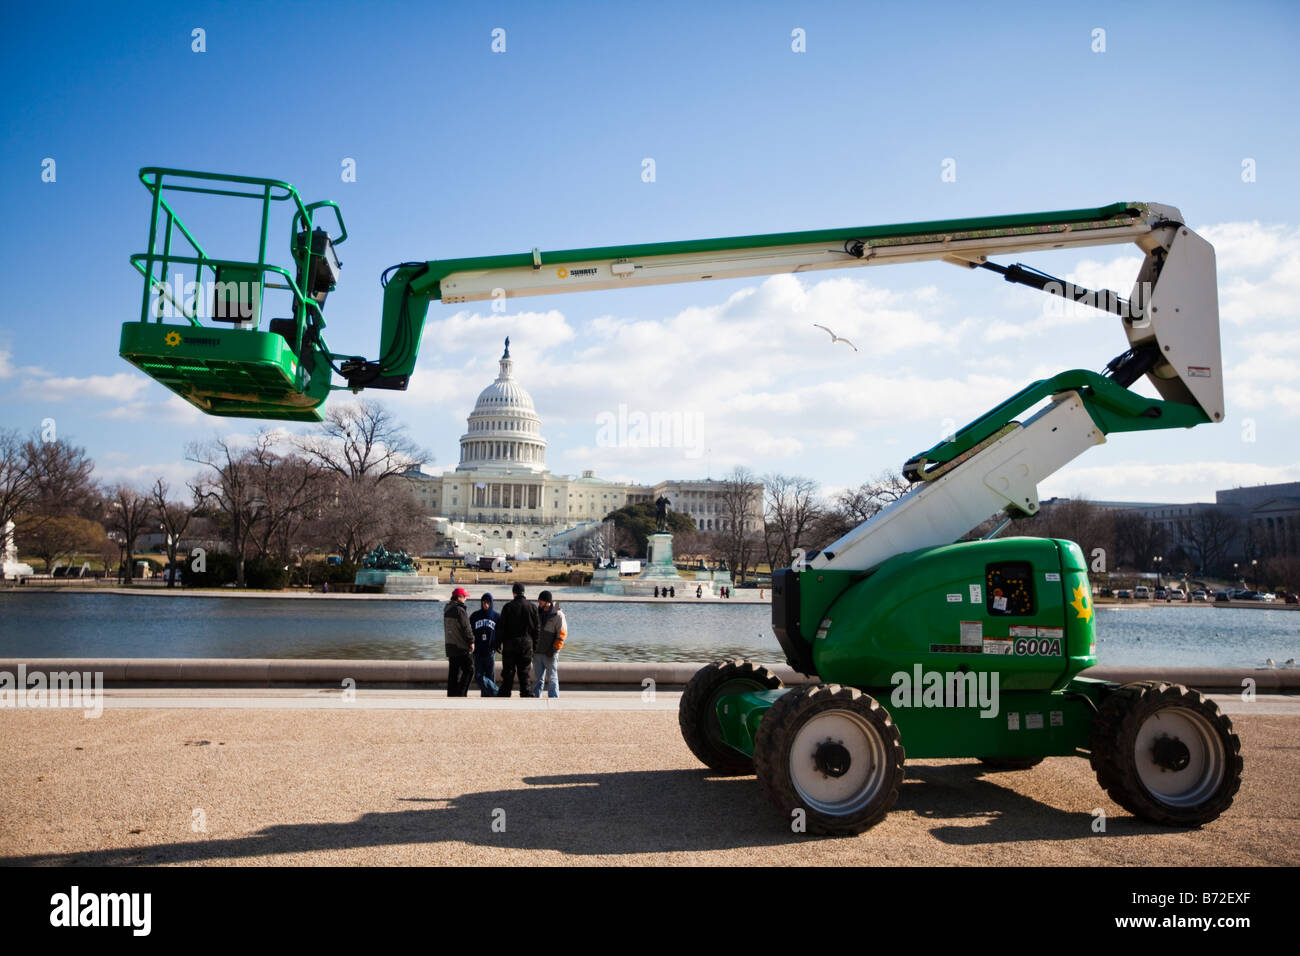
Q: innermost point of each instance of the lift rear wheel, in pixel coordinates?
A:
(1166, 754)
(832, 752)
(697, 713)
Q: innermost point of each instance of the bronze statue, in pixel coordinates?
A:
(661, 513)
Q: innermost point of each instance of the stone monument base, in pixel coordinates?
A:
(396, 582)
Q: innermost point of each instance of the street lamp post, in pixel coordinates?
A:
(120, 540)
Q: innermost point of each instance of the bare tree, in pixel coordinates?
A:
(17, 489)
(287, 488)
(856, 505)
(1137, 539)
(45, 481)
(174, 518)
(61, 474)
(228, 490)
(363, 440)
(358, 514)
(738, 539)
(792, 507)
(1208, 535)
(1078, 520)
(128, 518)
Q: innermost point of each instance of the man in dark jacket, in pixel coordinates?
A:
(516, 631)
(459, 641)
(484, 624)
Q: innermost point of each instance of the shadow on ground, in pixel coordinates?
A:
(968, 790)
(619, 813)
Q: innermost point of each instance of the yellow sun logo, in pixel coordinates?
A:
(1080, 604)
(562, 273)
(173, 339)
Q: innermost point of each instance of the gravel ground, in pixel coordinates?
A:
(264, 785)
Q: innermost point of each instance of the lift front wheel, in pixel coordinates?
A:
(697, 713)
(1166, 754)
(833, 753)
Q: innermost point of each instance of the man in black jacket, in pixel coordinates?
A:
(459, 642)
(516, 632)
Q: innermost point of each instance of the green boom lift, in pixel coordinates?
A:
(912, 637)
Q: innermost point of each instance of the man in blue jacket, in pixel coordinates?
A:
(483, 622)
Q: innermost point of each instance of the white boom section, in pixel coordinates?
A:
(621, 273)
(1004, 475)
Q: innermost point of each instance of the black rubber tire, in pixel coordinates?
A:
(1117, 760)
(698, 716)
(1010, 763)
(774, 750)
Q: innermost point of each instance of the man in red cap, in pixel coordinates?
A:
(459, 641)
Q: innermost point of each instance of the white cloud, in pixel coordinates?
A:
(1259, 270)
(171, 409)
(121, 387)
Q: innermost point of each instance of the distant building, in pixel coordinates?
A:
(1269, 517)
(1272, 517)
(501, 496)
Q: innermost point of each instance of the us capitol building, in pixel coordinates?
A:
(502, 496)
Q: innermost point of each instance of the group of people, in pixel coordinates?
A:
(522, 631)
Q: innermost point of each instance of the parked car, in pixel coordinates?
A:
(1162, 594)
(1107, 592)
(1293, 599)
(1123, 595)
(1266, 596)
(1222, 597)
(1199, 595)
(1176, 594)
(1141, 593)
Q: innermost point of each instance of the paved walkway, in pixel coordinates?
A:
(408, 777)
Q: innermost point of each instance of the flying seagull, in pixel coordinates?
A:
(835, 338)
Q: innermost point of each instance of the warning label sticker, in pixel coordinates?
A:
(997, 645)
(1058, 718)
(976, 594)
(1033, 721)
(1051, 576)
(954, 598)
(1019, 630)
(972, 633)
(1055, 633)
(1013, 721)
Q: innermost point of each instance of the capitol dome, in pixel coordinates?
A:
(504, 429)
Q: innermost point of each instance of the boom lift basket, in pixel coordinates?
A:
(231, 365)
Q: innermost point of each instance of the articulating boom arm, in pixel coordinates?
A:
(995, 463)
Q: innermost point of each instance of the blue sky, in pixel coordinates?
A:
(460, 151)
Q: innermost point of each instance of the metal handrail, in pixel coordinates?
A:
(155, 179)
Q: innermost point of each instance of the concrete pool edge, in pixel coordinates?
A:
(265, 672)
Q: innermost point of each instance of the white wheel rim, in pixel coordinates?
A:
(838, 796)
(1206, 760)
